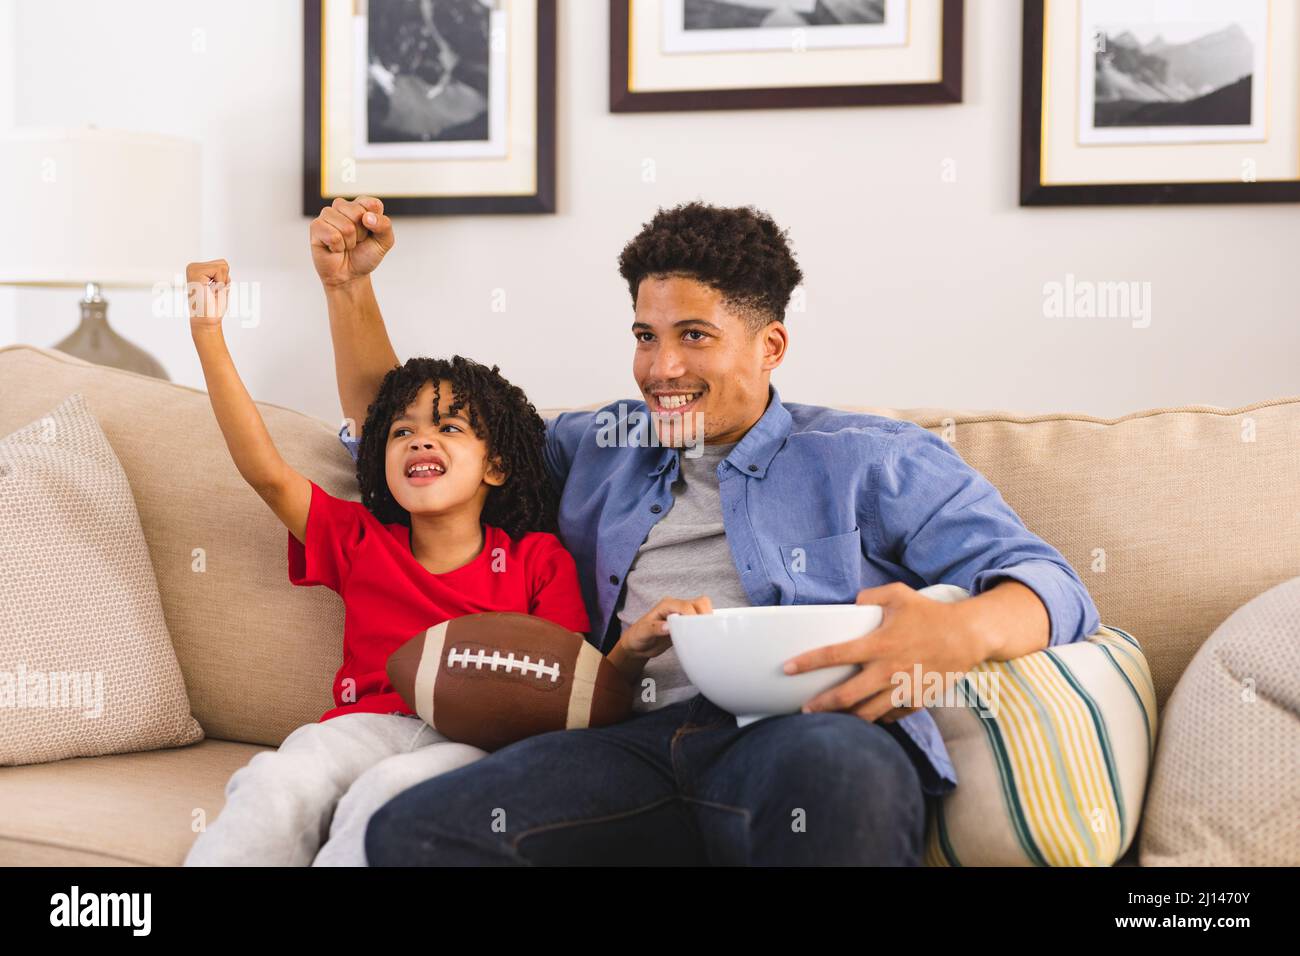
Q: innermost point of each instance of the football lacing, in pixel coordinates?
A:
(538, 668)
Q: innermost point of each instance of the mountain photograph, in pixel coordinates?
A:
(754, 14)
(1204, 81)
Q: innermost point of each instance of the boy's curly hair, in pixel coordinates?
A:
(739, 251)
(499, 413)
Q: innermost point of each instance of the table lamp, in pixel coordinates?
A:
(98, 209)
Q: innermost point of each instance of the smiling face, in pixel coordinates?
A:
(437, 467)
(698, 360)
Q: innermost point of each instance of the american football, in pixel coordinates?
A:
(490, 679)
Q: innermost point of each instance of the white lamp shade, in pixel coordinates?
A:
(91, 205)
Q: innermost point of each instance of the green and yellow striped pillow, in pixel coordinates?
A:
(1054, 775)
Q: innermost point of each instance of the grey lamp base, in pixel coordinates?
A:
(95, 341)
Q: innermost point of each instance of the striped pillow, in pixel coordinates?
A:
(1054, 774)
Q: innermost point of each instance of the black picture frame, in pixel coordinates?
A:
(948, 89)
(542, 200)
(1034, 193)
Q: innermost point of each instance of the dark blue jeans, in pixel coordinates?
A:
(678, 786)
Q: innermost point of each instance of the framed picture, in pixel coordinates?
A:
(435, 106)
(1163, 101)
(765, 54)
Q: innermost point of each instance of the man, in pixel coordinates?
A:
(768, 504)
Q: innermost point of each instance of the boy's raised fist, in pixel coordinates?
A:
(349, 238)
(206, 287)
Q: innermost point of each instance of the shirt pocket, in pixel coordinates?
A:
(825, 570)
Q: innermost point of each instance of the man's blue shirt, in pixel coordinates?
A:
(816, 504)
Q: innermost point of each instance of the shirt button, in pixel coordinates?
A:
(753, 467)
(655, 509)
(613, 579)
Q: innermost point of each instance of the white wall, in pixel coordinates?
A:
(920, 292)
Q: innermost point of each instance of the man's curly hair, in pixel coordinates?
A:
(738, 251)
(499, 413)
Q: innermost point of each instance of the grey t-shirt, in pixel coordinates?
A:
(685, 554)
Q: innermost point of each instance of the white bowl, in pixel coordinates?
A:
(735, 655)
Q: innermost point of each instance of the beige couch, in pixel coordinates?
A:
(1174, 517)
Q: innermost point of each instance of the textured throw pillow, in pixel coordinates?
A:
(1225, 788)
(1051, 751)
(86, 664)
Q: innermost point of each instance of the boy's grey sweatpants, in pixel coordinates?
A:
(308, 803)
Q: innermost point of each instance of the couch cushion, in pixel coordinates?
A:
(121, 810)
(1225, 789)
(258, 655)
(81, 627)
(1051, 751)
(1052, 754)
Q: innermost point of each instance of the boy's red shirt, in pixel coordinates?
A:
(389, 597)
